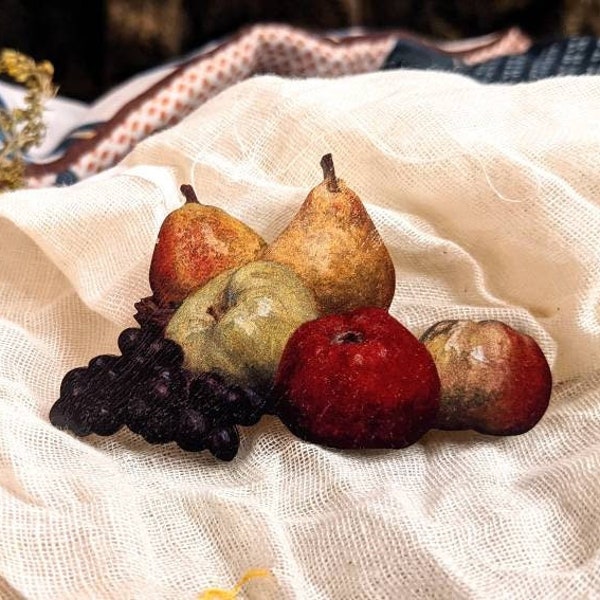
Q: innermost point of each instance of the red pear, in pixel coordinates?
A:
(195, 243)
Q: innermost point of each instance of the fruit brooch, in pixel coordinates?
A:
(300, 328)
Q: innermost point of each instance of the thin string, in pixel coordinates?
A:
(220, 594)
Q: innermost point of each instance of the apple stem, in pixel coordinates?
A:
(215, 313)
(329, 173)
(189, 194)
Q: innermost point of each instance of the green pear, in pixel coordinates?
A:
(239, 322)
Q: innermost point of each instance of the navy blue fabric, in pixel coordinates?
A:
(412, 55)
(569, 56)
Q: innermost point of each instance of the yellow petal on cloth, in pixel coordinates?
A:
(218, 594)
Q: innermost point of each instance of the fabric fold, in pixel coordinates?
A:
(486, 196)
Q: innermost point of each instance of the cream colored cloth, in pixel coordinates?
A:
(488, 198)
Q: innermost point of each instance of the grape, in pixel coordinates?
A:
(223, 443)
(166, 352)
(129, 339)
(79, 421)
(161, 425)
(104, 371)
(103, 362)
(210, 394)
(193, 427)
(154, 410)
(60, 413)
(73, 379)
(137, 363)
(105, 418)
(167, 387)
(222, 408)
(164, 373)
(236, 405)
(148, 390)
(208, 383)
(137, 345)
(107, 427)
(252, 407)
(160, 390)
(136, 413)
(113, 374)
(76, 415)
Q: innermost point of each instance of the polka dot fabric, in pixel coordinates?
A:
(273, 49)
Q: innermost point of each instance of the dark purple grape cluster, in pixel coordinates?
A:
(148, 390)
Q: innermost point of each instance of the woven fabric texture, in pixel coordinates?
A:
(488, 199)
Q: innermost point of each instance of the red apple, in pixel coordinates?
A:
(495, 380)
(356, 380)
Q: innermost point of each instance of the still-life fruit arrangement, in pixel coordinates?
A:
(300, 328)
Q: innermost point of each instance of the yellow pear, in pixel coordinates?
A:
(335, 248)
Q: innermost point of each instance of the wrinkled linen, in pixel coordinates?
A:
(488, 199)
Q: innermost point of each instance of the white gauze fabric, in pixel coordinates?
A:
(488, 199)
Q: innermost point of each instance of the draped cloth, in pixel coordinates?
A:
(488, 200)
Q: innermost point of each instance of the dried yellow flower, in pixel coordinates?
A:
(22, 128)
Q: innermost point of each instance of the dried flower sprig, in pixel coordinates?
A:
(22, 128)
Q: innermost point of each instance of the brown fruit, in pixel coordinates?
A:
(195, 243)
(333, 245)
(494, 379)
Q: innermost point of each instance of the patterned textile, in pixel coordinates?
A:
(107, 130)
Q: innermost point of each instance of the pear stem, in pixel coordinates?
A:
(329, 173)
(189, 194)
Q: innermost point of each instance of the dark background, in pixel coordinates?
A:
(96, 44)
